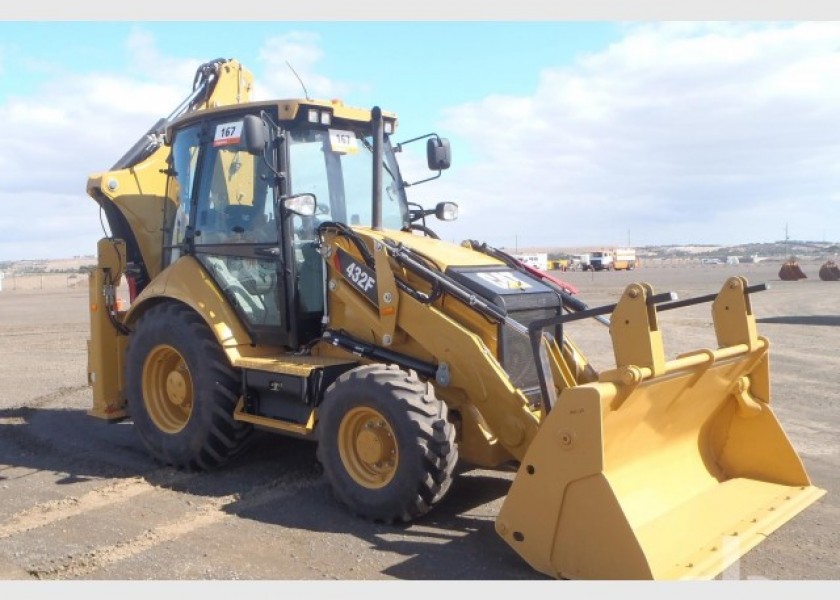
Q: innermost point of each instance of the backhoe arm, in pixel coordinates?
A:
(133, 193)
(134, 197)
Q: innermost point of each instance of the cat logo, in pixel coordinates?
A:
(504, 280)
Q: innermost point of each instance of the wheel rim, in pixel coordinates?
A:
(167, 389)
(368, 447)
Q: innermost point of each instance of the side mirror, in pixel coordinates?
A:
(446, 211)
(438, 155)
(303, 205)
(255, 135)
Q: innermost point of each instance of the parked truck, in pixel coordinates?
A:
(624, 259)
(601, 260)
(614, 259)
(580, 262)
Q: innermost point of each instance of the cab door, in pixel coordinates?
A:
(233, 226)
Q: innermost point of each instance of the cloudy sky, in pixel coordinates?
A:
(564, 132)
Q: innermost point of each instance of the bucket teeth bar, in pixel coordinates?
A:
(634, 328)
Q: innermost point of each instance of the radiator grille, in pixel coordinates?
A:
(522, 298)
(517, 358)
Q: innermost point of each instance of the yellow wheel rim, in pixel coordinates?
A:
(368, 447)
(167, 389)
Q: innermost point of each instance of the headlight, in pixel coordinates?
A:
(318, 117)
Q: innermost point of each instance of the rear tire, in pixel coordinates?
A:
(385, 443)
(182, 391)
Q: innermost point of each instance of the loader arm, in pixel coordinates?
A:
(404, 322)
(656, 469)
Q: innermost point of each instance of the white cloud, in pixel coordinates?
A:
(51, 146)
(678, 132)
(76, 125)
(301, 51)
(48, 225)
(48, 148)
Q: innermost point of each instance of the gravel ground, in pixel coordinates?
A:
(80, 500)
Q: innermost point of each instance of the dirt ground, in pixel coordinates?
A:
(80, 499)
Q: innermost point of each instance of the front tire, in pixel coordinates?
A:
(385, 443)
(182, 391)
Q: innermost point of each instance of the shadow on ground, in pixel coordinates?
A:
(830, 320)
(278, 482)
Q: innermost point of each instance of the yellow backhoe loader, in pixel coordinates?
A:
(280, 280)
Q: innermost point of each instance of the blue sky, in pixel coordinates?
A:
(564, 133)
(409, 66)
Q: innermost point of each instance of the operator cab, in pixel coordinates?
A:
(252, 183)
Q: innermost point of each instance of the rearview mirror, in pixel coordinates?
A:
(438, 155)
(303, 205)
(254, 135)
(446, 211)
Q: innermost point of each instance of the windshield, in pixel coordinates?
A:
(336, 166)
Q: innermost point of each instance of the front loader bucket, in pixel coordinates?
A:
(830, 271)
(790, 271)
(661, 469)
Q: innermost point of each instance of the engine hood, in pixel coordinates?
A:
(444, 254)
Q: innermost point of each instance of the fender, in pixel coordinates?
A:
(187, 282)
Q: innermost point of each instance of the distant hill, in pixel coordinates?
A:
(77, 264)
(767, 250)
(778, 251)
